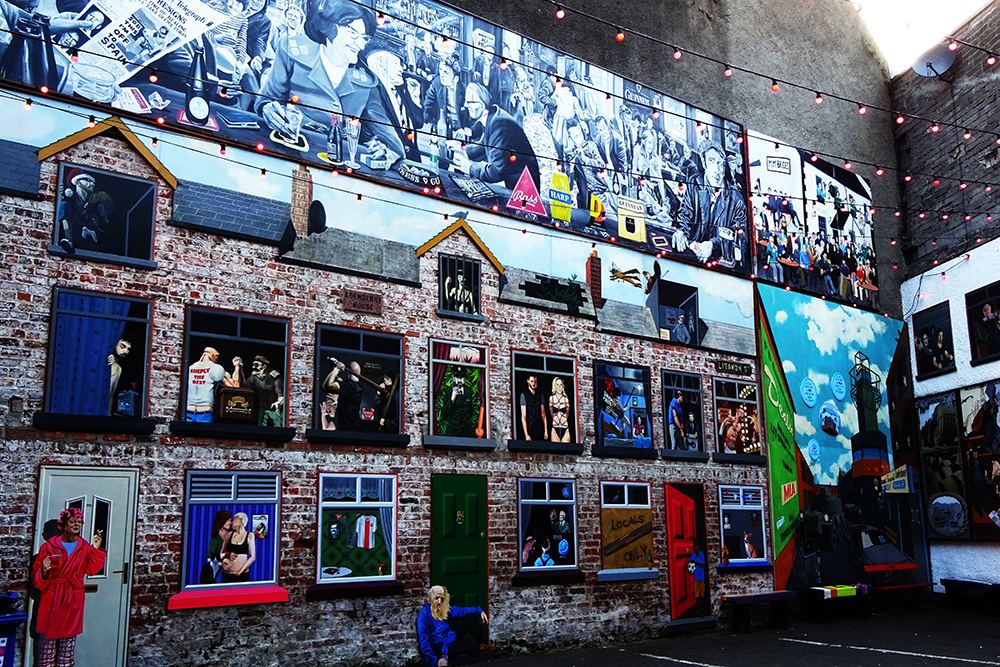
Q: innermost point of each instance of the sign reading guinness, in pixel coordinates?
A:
(362, 302)
(732, 367)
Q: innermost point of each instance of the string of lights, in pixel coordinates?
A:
(814, 156)
(847, 163)
(155, 140)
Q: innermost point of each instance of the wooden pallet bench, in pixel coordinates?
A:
(777, 601)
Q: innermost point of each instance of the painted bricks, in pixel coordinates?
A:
(196, 268)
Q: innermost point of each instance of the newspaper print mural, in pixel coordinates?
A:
(423, 97)
(812, 223)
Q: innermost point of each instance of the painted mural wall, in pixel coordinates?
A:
(812, 222)
(828, 426)
(415, 94)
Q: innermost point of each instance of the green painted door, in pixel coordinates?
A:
(458, 538)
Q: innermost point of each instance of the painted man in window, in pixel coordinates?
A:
(204, 376)
(458, 405)
(533, 419)
(266, 383)
(83, 212)
(122, 349)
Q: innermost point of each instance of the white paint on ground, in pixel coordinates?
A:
(677, 660)
(886, 650)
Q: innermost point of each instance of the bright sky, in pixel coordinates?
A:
(904, 29)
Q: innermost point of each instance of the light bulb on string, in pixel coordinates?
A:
(27, 103)
(160, 120)
(263, 173)
(380, 19)
(991, 60)
(727, 72)
(152, 76)
(74, 55)
(935, 127)
(774, 85)
(967, 135)
(359, 198)
(620, 35)
(819, 98)
(560, 12)
(862, 109)
(92, 123)
(962, 186)
(879, 171)
(155, 142)
(952, 45)
(847, 165)
(677, 53)
(900, 119)
(908, 177)
(224, 92)
(813, 158)
(222, 149)
(988, 188)
(44, 90)
(503, 63)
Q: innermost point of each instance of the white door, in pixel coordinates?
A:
(107, 497)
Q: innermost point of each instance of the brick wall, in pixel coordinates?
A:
(204, 270)
(965, 96)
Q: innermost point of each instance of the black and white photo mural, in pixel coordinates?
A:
(812, 223)
(417, 95)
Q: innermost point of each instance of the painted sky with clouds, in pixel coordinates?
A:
(816, 339)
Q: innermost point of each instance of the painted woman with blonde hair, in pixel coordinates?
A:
(239, 550)
(445, 632)
(559, 408)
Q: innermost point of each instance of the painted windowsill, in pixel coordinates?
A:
(451, 442)
(107, 258)
(747, 459)
(358, 589)
(540, 577)
(938, 372)
(319, 436)
(628, 574)
(983, 360)
(454, 315)
(227, 597)
(744, 567)
(605, 451)
(684, 455)
(545, 446)
(232, 431)
(54, 421)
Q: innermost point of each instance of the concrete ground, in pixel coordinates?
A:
(930, 635)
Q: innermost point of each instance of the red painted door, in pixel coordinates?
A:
(681, 534)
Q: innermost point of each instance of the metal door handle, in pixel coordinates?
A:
(123, 572)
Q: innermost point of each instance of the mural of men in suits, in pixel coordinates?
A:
(502, 137)
(712, 219)
(384, 56)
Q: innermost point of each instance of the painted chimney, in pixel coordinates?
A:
(302, 196)
(594, 276)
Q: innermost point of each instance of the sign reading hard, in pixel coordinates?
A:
(560, 202)
(631, 219)
(362, 302)
(732, 367)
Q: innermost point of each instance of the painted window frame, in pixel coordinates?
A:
(669, 388)
(142, 401)
(720, 446)
(323, 366)
(359, 505)
(627, 486)
(645, 380)
(475, 283)
(727, 507)
(931, 318)
(192, 352)
(573, 395)
(522, 527)
(484, 367)
(57, 247)
(974, 302)
(254, 479)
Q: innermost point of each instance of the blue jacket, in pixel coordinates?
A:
(432, 631)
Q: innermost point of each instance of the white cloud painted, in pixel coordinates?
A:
(242, 179)
(830, 327)
(803, 426)
(781, 316)
(788, 366)
(820, 379)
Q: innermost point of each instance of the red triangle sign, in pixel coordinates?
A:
(525, 196)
